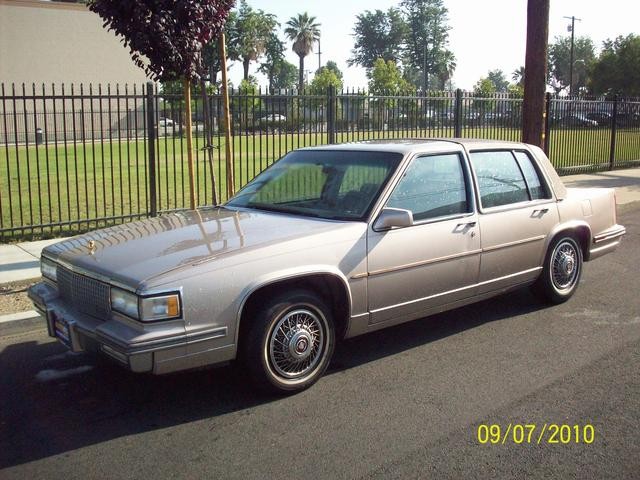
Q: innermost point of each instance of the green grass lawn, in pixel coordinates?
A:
(59, 184)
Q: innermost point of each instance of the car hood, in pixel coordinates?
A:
(133, 253)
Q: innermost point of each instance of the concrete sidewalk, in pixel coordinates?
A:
(20, 261)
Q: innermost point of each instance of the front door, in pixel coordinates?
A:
(436, 260)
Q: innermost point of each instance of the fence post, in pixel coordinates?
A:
(151, 145)
(331, 114)
(612, 149)
(458, 114)
(547, 130)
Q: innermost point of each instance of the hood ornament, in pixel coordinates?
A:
(92, 247)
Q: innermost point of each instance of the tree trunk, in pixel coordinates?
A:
(245, 66)
(301, 75)
(536, 72)
(187, 110)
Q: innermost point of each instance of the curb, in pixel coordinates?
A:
(21, 322)
(13, 317)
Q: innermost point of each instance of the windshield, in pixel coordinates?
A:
(332, 184)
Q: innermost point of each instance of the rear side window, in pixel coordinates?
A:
(432, 186)
(500, 179)
(532, 176)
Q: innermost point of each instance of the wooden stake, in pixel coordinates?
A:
(187, 99)
(222, 51)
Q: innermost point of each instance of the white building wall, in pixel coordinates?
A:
(52, 42)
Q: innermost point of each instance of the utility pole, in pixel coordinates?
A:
(319, 54)
(572, 29)
(535, 79)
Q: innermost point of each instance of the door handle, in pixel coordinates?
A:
(539, 212)
(465, 227)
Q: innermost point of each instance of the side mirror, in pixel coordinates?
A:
(393, 217)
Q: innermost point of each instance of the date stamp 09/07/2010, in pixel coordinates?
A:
(532, 433)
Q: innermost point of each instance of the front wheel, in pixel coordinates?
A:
(562, 270)
(290, 342)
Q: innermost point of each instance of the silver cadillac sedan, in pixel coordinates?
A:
(328, 243)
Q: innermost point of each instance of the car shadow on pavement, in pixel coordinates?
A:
(46, 413)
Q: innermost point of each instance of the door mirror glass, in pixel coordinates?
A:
(393, 217)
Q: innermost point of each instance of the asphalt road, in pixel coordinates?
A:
(405, 402)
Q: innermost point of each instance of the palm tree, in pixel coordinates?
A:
(302, 31)
(518, 76)
(446, 67)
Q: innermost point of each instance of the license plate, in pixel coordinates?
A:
(61, 329)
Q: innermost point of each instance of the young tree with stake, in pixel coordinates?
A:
(166, 38)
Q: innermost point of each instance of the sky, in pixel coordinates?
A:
(485, 34)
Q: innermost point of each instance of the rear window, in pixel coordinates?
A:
(536, 186)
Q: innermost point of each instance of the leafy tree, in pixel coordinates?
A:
(378, 34)
(248, 100)
(560, 62)
(303, 31)
(286, 75)
(386, 79)
(428, 38)
(252, 31)
(617, 69)
(516, 90)
(210, 52)
(166, 39)
(499, 80)
(333, 67)
(274, 57)
(484, 88)
(324, 79)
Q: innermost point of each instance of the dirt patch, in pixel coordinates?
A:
(13, 297)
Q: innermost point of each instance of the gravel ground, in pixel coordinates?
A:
(13, 297)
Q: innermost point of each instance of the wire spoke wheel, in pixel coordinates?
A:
(296, 343)
(565, 265)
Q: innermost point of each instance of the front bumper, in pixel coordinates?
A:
(162, 350)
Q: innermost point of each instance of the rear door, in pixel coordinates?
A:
(517, 211)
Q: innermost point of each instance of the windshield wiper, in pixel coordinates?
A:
(271, 208)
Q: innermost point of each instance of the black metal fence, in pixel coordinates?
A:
(80, 157)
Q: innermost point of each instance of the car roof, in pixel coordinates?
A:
(410, 145)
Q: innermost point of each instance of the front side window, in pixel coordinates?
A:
(432, 186)
(500, 179)
(332, 184)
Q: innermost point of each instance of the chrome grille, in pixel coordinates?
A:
(84, 294)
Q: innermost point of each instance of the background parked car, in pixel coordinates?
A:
(577, 121)
(603, 118)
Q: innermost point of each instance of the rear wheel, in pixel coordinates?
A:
(289, 343)
(562, 270)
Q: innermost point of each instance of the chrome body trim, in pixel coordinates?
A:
(517, 242)
(468, 287)
(425, 262)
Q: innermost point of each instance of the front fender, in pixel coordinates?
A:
(290, 274)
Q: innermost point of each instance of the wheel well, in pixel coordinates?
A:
(582, 234)
(329, 287)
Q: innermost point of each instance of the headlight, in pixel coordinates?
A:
(163, 307)
(49, 269)
(124, 302)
